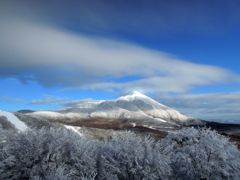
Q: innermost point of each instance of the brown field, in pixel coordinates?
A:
(230, 130)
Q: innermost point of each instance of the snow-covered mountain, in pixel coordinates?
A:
(136, 112)
(136, 108)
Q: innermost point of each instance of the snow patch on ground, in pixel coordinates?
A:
(74, 129)
(21, 126)
(134, 124)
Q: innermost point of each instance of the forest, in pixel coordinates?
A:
(58, 153)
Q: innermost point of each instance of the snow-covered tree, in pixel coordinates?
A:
(47, 152)
(128, 156)
(58, 153)
(201, 154)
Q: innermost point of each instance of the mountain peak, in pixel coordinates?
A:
(135, 106)
(137, 93)
(133, 95)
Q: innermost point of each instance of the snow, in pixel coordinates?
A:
(152, 108)
(159, 119)
(134, 124)
(132, 96)
(137, 95)
(74, 129)
(89, 104)
(57, 115)
(150, 127)
(49, 114)
(21, 126)
(135, 106)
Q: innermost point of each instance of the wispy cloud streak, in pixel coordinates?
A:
(48, 100)
(210, 106)
(54, 57)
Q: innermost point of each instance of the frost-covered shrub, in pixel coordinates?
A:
(5, 124)
(5, 128)
(62, 154)
(59, 154)
(128, 156)
(47, 153)
(201, 154)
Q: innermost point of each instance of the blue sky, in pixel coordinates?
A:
(53, 52)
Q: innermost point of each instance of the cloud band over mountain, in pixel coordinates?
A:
(102, 49)
(53, 57)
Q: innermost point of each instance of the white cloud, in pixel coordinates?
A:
(51, 56)
(211, 106)
(10, 99)
(49, 100)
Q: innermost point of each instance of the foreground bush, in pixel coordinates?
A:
(202, 153)
(47, 153)
(127, 156)
(61, 154)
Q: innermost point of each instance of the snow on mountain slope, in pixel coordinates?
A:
(57, 115)
(21, 126)
(136, 96)
(135, 107)
(153, 108)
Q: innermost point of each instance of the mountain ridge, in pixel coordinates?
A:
(135, 112)
(136, 109)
